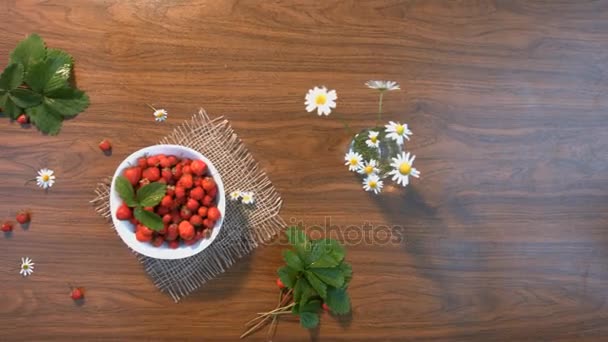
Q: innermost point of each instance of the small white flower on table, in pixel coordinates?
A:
(402, 169)
(369, 168)
(397, 132)
(353, 160)
(160, 115)
(321, 100)
(235, 195)
(383, 85)
(373, 183)
(247, 197)
(27, 267)
(373, 139)
(45, 178)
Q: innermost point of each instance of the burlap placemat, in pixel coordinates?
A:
(244, 227)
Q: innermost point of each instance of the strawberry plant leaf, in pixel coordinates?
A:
(299, 240)
(309, 320)
(38, 75)
(44, 118)
(11, 77)
(312, 306)
(287, 276)
(347, 272)
(148, 219)
(29, 51)
(293, 260)
(151, 194)
(330, 276)
(302, 291)
(338, 300)
(25, 98)
(9, 107)
(125, 191)
(326, 253)
(60, 66)
(316, 284)
(67, 101)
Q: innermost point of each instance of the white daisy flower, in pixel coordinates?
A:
(397, 131)
(383, 85)
(321, 100)
(373, 139)
(27, 267)
(247, 197)
(369, 168)
(402, 169)
(235, 195)
(353, 160)
(160, 115)
(373, 183)
(45, 178)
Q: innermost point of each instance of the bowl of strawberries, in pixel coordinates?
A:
(167, 201)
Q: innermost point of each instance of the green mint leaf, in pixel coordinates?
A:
(67, 101)
(316, 284)
(29, 51)
(44, 118)
(302, 291)
(326, 253)
(299, 240)
(309, 320)
(312, 306)
(330, 276)
(125, 191)
(151, 194)
(338, 300)
(11, 77)
(25, 98)
(287, 276)
(148, 219)
(293, 260)
(347, 272)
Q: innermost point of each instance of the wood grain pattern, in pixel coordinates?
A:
(504, 234)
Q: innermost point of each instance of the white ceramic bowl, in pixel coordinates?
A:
(126, 230)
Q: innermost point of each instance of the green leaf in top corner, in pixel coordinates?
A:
(11, 77)
(287, 276)
(67, 101)
(148, 219)
(29, 51)
(316, 284)
(330, 276)
(309, 320)
(338, 300)
(326, 253)
(293, 260)
(125, 191)
(44, 118)
(151, 194)
(25, 98)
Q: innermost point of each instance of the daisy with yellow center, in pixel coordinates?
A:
(320, 99)
(45, 178)
(402, 169)
(27, 267)
(247, 197)
(373, 140)
(373, 183)
(160, 115)
(353, 160)
(383, 85)
(397, 132)
(369, 168)
(235, 195)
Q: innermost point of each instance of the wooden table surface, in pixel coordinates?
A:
(502, 238)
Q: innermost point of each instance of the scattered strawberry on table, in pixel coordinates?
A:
(168, 199)
(23, 217)
(7, 227)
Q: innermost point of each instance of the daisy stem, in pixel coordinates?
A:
(149, 105)
(380, 109)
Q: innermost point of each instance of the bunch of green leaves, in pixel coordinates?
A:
(317, 273)
(38, 81)
(147, 196)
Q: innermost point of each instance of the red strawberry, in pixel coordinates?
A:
(186, 161)
(207, 200)
(172, 160)
(144, 182)
(152, 173)
(187, 170)
(23, 119)
(212, 192)
(142, 237)
(167, 201)
(174, 244)
(23, 217)
(124, 212)
(197, 193)
(150, 209)
(185, 213)
(177, 171)
(145, 230)
(167, 174)
(186, 230)
(162, 211)
(165, 162)
(176, 217)
(208, 223)
(325, 307)
(162, 181)
(170, 190)
(167, 218)
(158, 241)
(134, 221)
(208, 183)
(77, 293)
(180, 192)
(153, 161)
(105, 145)
(202, 211)
(196, 220)
(214, 213)
(198, 167)
(192, 204)
(133, 174)
(200, 234)
(186, 181)
(172, 230)
(280, 284)
(7, 227)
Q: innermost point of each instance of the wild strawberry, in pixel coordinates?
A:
(166, 174)
(134, 221)
(177, 171)
(198, 167)
(162, 181)
(208, 223)
(164, 230)
(207, 200)
(77, 293)
(23, 217)
(162, 211)
(187, 170)
(152, 173)
(133, 174)
(158, 241)
(172, 229)
(180, 201)
(166, 218)
(23, 119)
(152, 161)
(196, 220)
(202, 211)
(170, 190)
(142, 162)
(212, 192)
(186, 181)
(197, 193)
(174, 244)
(192, 204)
(124, 212)
(167, 201)
(180, 192)
(325, 307)
(280, 284)
(185, 213)
(200, 234)
(145, 230)
(172, 160)
(105, 145)
(164, 162)
(176, 217)
(186, 230)
(185, 161)
(142, 237)
(214, 213)
(208, 183)
(7, 227)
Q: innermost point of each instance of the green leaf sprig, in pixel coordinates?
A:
(147, 196)
(37, 82)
